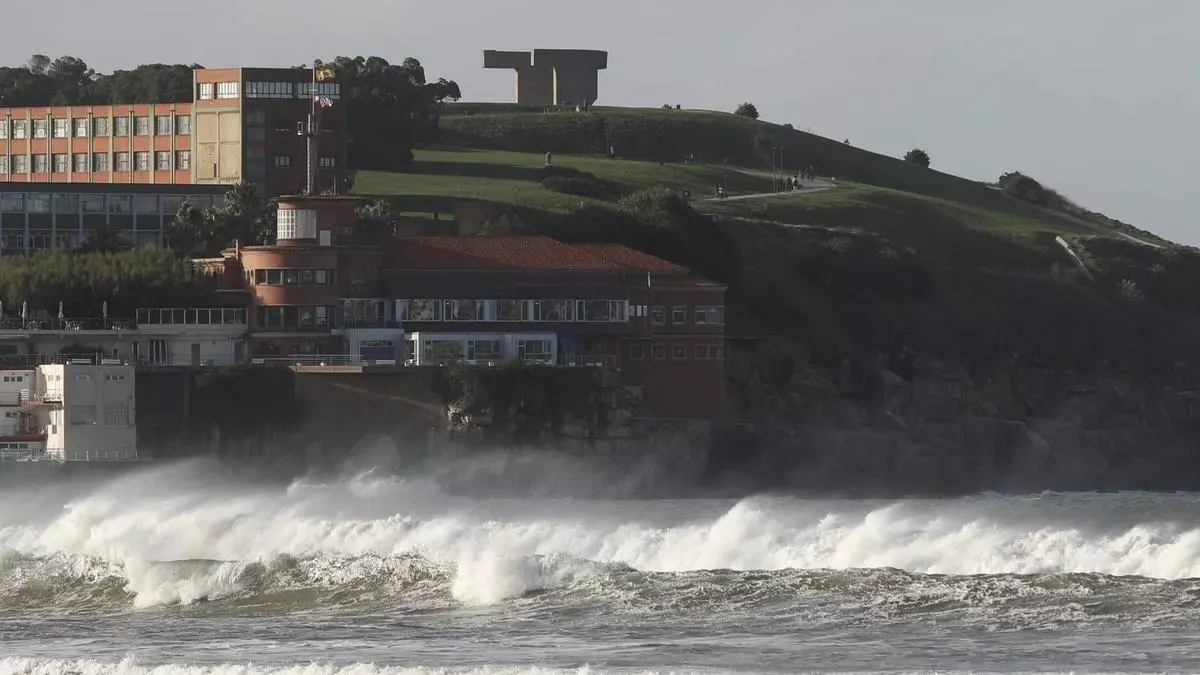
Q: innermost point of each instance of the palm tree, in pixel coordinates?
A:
(191, 229)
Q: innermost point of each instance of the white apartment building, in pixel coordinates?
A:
(22, 438)
(85, 412)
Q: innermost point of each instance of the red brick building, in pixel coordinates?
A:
(485, 300)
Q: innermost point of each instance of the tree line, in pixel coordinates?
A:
(391, 106)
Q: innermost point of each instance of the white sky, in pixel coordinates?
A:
(1096, 98)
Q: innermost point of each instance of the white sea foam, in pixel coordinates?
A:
(129, 666)
(504, 548)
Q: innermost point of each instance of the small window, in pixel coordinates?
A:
(163, 160)
(679, 352)
(62, 128)
(141, 126)
(658, 316)
(659, 352)
(100, 161)
(41, 163)
(121, 161)
(204, 90)
(81, 127)
(183, 160)
(141, 161)
(100, 127)
(20, 129)
(83, 377)
(162, 125)
(62, 163)
(183, 125)
(327, 162)
(120, 126)
(40, 129)
(81, 162)
(679, 315)
(637, 351)
(283, 161)
(227, 90)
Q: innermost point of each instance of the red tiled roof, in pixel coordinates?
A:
(631, 259)
(494, 253)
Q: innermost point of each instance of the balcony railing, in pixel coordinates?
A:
(34, 360)
(200, 316)
(64, 325)
(358, 324)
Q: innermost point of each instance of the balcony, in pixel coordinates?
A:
(175, 316)
(64, 325)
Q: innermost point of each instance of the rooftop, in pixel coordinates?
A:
(493, 253)
(630, 259)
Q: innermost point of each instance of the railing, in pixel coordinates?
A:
(34, 360)
(28, 397)
(102, 456)
(64, 325)
(198, 316)
(356, 324)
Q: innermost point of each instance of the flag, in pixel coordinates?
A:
(323, 73)
(323, 101)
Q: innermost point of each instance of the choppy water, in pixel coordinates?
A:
(172, 571)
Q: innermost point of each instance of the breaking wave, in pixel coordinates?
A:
(177, 536)
(130, 666)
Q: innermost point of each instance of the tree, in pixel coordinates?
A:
(747, 110)
(192, 229)
(917, 156)
(105, 239)
(376, 222)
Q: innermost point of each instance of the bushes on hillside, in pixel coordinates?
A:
(917, 156)
(576, 182)
(747, 110)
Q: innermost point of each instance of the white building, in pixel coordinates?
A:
(191, 336)
(22, 438)
(87, 411)
(428, 349)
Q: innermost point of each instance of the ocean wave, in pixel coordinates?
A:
(130, 666)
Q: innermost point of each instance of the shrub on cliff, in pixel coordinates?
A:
(575, 182)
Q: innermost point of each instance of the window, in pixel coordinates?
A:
(463, 310)
(710, 316)
(658, 352)
(710, 352)
(62, 163)
(120, 126)
(100, 161)
(116, 414)
(121, 161)
(20, 164)
(114, 378)
(20, 129)
(12, 202)
(145, 204)
(204, 90)
(83, 414)
(637, 351)
(3, 164)
(511, 310)
(183, 160)
(679, 315)
(120, 204)
(323, 277)
(100, 127)
(81, 127)
(39, 129)
(534, 350)
(600, 310)
(183, 125)
(163, 160)
(421, 310)
(283, 161)
(553, 310)
(270, 89)
(66, 203)
(679, 352)
(162, 125)
(141, 161)
(227, 90)
(327, 162)
(658, 316)
(141, 126)
(62, 128)
(41, 163)
(4, 129)
(80, 162)
(91, 203)
(483, 350)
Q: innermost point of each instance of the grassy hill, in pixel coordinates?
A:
(889, 253)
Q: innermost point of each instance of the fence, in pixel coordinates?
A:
(65, 325)
(174, 316)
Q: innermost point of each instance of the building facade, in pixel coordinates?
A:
(486, 300)
(240, 126)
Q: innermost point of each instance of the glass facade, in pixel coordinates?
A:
(31, 221)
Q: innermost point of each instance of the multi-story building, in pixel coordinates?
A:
(422, 300)
(243, 125)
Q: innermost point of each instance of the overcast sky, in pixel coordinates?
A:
(1096, 98)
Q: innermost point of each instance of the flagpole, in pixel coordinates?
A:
(310, 142)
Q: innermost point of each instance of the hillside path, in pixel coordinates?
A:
(808, 188)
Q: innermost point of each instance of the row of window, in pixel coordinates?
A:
(82, 162)
(293, 316)
(115, 415)
(512, 310)
(679, 352)
(702, 316)
(285, 161)
(532, 350)
(293, 277)
(74, 203)
(218, 90)
(96, 127)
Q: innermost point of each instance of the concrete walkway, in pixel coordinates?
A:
(808, 188)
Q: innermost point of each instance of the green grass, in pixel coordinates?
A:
(440, 177)
(953, 232)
